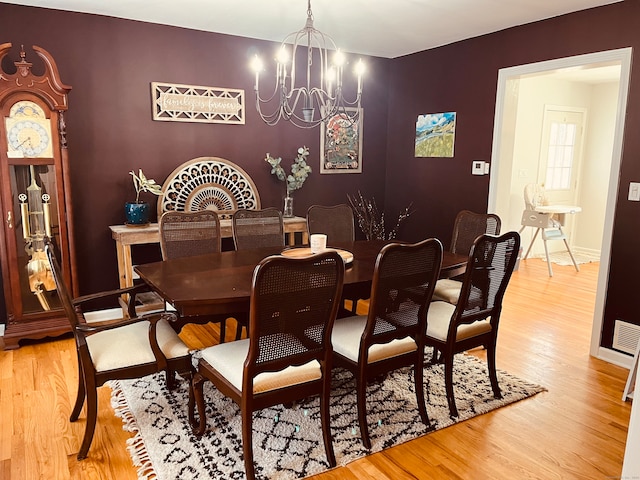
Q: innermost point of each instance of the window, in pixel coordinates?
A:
(562, 141)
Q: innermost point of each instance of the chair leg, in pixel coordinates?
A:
(361, 391)
(92, 414)
(325, 418)
(196, 399)
(491, 365)
(247, 442)
(77, 408)
(546, 252)
(448, 383)
(170, 376)
(223, 330)
(418, 377)
(575, 264)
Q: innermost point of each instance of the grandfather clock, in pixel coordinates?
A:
(34, 196)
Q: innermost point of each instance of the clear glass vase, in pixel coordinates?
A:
(287, 209)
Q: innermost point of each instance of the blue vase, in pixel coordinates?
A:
(136, 213)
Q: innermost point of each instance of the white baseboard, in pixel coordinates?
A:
(615, 357)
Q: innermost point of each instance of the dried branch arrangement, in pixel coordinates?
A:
(371, 221)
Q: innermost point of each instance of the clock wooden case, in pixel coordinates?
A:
(35, 197)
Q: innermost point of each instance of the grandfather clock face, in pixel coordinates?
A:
(28, 131)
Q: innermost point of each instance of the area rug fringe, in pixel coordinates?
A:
(135, 446)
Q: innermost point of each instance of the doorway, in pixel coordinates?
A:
(512, 169)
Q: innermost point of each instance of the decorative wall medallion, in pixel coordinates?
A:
(208, 183)
(191, 103)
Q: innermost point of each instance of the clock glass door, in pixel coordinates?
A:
(35, 206)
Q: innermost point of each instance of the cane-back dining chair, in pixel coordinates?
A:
(337, 223)
(117, 349)
(392, 334)
(187, 234)
(466, 228)
(287, 356)
(473, 322)
(257, 228)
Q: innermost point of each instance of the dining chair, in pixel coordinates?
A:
(337, 223)
(392, 334)
(287, 356)
(473, 321)
(187, 234)
(257, 228)
(466, 228)
(117, 349)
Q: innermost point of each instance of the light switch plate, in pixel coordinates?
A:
(477, 167)
(634, 191)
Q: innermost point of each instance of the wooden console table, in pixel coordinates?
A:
(126, 236)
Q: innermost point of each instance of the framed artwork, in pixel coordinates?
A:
(341, 144)
(435, 135)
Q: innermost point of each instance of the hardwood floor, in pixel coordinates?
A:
(577, 429)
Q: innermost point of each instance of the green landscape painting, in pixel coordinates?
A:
(435, 134)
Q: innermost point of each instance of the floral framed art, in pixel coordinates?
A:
(435, 135)
(341, 144)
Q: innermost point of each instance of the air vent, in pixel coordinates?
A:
(626, 336)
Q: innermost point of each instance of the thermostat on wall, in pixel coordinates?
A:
(478, 167)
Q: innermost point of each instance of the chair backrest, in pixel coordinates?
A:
(61, 286)
(336, 222)
(294, 302)
(258, 228)
(403, 282)
(491, 263)
(185, 234)
(534, 196)
(470, 225)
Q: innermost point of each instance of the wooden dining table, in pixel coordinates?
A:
(220, 283)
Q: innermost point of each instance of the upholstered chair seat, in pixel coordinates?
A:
(134, 347)
(439, 319)
(346, 341)
(228, 359)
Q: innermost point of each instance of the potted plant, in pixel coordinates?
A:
(137, 213)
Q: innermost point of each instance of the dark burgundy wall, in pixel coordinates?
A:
(110, 64)
(462, 78)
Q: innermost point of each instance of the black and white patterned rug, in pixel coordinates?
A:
(287, 442)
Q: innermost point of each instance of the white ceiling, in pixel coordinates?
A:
(384, 28)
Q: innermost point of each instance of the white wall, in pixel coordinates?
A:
(597, 165)
(600, 101)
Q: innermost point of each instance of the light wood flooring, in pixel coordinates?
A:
(577, 429)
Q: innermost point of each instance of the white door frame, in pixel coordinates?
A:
(622, 56)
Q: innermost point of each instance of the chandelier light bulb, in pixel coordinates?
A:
(256, 64)
(283, 55)
(308, 87)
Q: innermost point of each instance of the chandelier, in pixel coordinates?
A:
(315, 100)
